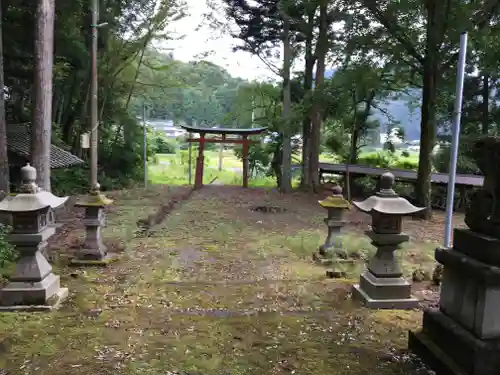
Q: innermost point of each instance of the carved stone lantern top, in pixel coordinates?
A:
(31, 198)
(336, 200)
(387, 201)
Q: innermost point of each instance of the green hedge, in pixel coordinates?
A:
(7, 252)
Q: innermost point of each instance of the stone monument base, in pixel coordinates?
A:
(384, 292)
(33, 296)
(450, 349)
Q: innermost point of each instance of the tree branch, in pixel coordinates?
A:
(257, 53)
(391, 25)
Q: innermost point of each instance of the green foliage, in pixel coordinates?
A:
(379, 159)
(259, 158)
(7, 253)
(212, 146)
(265, 101)
(196, 93)
(184, 157)
(131, 28)
(465, 163)
(70, 181)
(405, 164)
(336, 138)
(161, 145)
(387, 159)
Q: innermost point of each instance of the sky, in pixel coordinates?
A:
(214, 46)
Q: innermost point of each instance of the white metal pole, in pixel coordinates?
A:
(145, 145)
(253, 112)
(190, 178)
(454, 140)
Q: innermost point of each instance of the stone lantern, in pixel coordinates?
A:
(335, 205)
(382, 286)
(33, 286)
(93, 251)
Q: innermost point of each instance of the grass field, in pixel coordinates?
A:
(214, 288)
(398, 154)
(172, 169)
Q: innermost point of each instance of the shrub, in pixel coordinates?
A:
(184, 157)
(68, 181)
(405, 164)
(465, 164)
(364, 186)
(161, 145)
(75, 180)
(379, 159)
(7, 252)
(405, 154)
(212, 146)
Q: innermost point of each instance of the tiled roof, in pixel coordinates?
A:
(19, 142)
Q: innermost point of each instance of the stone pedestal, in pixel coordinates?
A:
(333, 242)
(382, 285)
(33, 286)
(463, 335)
(93, 251)
(332, 252)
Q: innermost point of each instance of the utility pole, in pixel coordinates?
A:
(286, 168)
(94, 185)
(93, 250)
(145, 144)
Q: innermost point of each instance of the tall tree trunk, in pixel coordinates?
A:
(286, 174)
(310, 59)
(316, 115)
(428, 129)
(41, 127)
(4, 161)
(485, 118)
(427, 139)
(359, 122)
(277, 162)
(434, 35)
(354, 142)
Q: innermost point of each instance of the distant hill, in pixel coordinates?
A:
(400, 110)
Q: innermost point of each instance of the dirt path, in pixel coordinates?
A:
(216, 288)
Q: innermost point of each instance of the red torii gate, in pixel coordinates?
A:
(242, 138)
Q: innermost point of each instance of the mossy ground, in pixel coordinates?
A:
(214, 289)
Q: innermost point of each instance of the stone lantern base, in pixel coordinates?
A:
(45, 295)
(33, 286)
(382, 285)
(384, 292)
